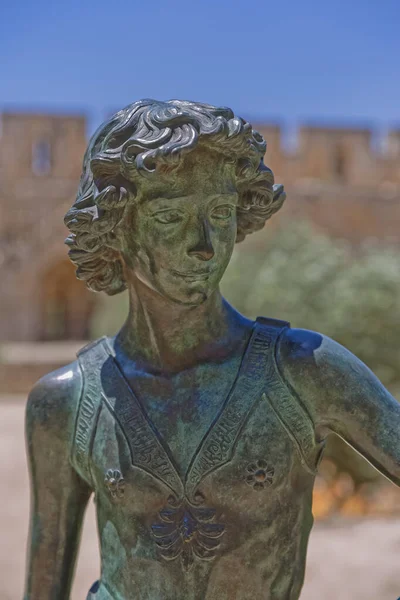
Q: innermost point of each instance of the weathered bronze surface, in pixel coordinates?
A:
(198, 431)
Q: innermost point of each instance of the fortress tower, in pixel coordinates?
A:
(335, 178)
(40, 165)
(338, 180)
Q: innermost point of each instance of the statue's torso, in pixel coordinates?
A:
(181, 520)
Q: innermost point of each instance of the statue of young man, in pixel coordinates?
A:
(198, 430)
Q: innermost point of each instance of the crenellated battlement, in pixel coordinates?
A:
(346, 156)
(41, 145)
(339, 178)
(49, 145)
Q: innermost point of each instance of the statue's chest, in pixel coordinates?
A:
(184, 462)
(183, 409)
(180, 436)
(194, 466)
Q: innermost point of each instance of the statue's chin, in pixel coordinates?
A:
(193, 294)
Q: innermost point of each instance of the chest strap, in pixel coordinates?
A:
(91, 359)
(288, 408)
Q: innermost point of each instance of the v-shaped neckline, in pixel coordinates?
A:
(151, 452)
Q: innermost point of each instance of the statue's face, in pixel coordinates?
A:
(181, 230)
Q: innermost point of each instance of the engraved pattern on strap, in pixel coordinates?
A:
(90, 358)
(146, 447)
(218, 446)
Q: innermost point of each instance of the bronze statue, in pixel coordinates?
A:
(198, 431)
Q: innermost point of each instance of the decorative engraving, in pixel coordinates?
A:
(261, 475)
(219, 444)
(147, 449)
(293, 417)
(86, 415)
(186, 530)
(185, 527)
(115, 483)
(217, 447)
(89, 408)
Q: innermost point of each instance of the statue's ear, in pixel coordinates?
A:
(114, 241)
(110, 203)
(111, 198)
(115, 236)
(104, 167)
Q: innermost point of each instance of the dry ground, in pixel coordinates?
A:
(346, 560)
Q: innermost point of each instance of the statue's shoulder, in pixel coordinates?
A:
(54, 400)
(297, 346)
(319, 369)
(305, 350)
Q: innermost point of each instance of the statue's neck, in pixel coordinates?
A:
(162, 335)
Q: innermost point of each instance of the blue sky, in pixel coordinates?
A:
(288, 61)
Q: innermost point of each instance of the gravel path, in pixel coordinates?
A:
(346, 560)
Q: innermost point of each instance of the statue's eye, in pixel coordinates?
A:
(222, 212)
(168, 216)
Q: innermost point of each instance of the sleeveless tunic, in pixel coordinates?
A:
(236, 526)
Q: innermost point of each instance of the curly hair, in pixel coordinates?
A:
(150, 137)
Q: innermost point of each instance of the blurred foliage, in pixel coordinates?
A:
(325, 285)
(315, 282)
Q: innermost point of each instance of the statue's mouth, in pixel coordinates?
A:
(193, 275)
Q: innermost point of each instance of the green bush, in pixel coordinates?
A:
(351, 295)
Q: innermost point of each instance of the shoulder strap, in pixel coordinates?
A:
(288, 407)
(219, 443)
(91, 358)
(275, 323)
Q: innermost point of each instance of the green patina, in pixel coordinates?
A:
(198, 430)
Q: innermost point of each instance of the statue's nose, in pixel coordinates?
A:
(202, 248)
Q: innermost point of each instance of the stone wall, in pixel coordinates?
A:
(40, 165)
(334, 176)
(346, 156)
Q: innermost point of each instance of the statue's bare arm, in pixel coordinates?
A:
(343, 396)
(58, 495)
